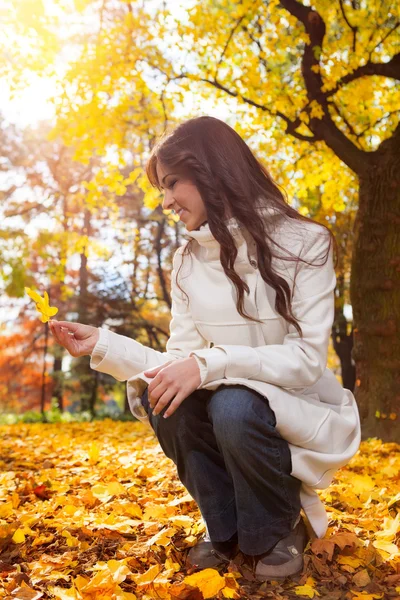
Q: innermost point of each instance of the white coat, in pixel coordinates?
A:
(318, 418)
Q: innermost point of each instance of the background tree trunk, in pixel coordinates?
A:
(375, 294)
(88, 379)
(342, 339)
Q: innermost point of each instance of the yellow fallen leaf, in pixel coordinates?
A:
(94, 453)
(113, 570)
(71, 509)
(170, 564)
(43, 539)
(15, 500)
(164, 577)
(394, 500)
(181, 520)
(42, 305)
(231, 587)
(63, 594)
(209, 582)
(388, 547)
(148, 576)
(154, 511)
(307, 589)
(177, 501)
(71, 540)
(390, 470)
(190, 539)
(105, 492)
(162, 538)
(18, 537)
(6, 510)
(361, 483)
(350, 561)
(390, 528)
(230, 593)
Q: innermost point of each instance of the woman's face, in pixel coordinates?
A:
(181, 194)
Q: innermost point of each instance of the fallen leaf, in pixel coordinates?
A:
(209, 582)
(361, 579)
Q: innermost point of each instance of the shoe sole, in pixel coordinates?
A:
(280, 572)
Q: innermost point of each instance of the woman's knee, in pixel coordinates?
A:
(187, 412)
(235, 411)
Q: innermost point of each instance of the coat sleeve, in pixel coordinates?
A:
(123, 357)
(299, 361)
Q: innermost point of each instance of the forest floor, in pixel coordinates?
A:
(95, 511)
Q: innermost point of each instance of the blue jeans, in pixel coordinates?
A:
(234, 463)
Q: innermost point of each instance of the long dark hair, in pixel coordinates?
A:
(231, 182)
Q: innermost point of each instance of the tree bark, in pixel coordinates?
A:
(43, 390)
(87, 378)
(375, 294)
(57, 376)
(343, 346)
(343, 339)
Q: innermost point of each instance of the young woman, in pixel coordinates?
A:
(241, 400)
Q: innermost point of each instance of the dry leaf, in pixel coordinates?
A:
(209, 582)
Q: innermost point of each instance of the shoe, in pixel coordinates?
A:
(286, 557)
(205, 556)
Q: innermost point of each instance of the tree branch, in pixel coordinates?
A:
(344, 119)
(323, 128)
(390, 69)
(353, 29)
(232, 33)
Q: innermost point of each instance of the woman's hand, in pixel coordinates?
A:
(174, 380)
(78, 339)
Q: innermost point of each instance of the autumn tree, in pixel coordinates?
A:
(322, 80)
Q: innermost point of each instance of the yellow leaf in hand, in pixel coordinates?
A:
(42, 305)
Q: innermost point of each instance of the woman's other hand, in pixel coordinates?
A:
(77, 338)
(174, 380)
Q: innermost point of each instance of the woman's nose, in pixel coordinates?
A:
(168, 201)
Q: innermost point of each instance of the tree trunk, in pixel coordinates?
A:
(44, 372)
(343, 339)
(93, 397)
(127, 409)
(87, 380)
(343, 346)
(58, 377)
(375, 296)
(58, 350)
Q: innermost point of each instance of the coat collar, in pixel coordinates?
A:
(205, 238)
